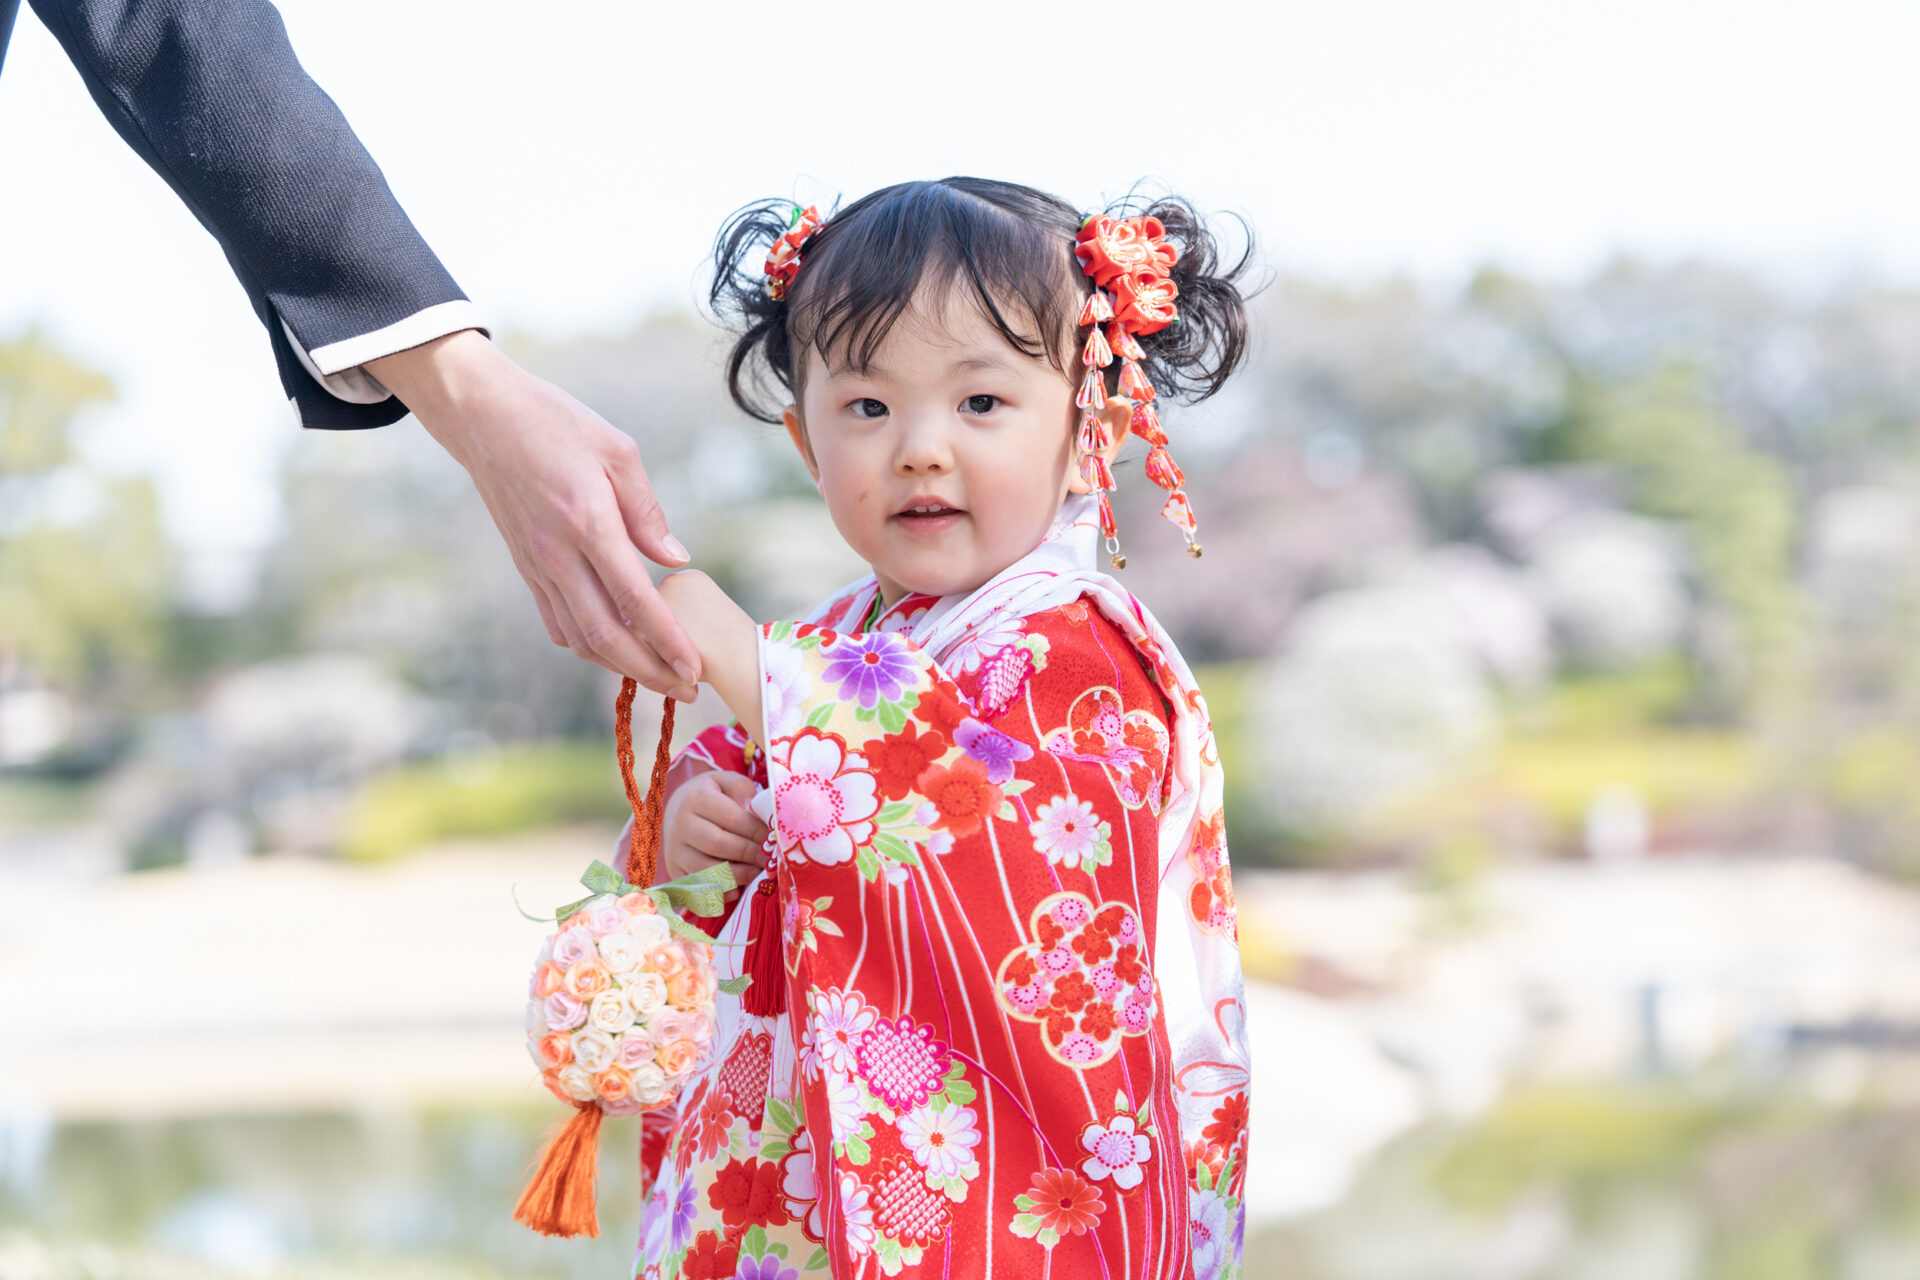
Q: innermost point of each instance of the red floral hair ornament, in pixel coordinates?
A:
(1131, 264)
(783, 264)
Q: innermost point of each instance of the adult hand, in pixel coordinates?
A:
(568, 494)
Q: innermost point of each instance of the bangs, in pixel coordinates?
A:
(1003, 249)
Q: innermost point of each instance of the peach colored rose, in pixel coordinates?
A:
(638, 904)
(688, 988)
(551, 1079)
(586, 980)
(676, 1057)
(666, 960)
(553, 1050)
(613, 1084)
(547, 981)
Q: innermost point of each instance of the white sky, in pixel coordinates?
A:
(570, 162)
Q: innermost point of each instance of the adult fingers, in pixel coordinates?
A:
(635, 599)
(598, 634)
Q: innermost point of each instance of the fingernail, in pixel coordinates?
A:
(685, 693)
(685, 671)
(674, 549)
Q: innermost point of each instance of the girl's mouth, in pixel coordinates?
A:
(928, 516)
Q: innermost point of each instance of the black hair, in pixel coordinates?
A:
(1013, 248)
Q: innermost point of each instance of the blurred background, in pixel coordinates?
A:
(1559, 619)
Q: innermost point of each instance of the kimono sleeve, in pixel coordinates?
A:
(968, 864)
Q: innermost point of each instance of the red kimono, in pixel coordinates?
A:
(1011, 1041)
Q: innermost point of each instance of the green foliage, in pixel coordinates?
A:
(1685, 460)
(515, 789)
(84, 581)
(1562, 1136)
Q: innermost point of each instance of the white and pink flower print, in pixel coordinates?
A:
(942, 1142)
(826, 800)
(1068, 831)
(1116, 1150)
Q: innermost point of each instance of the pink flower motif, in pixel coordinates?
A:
(902, 1063)
(1105, 981)
(1057, 960)
(1136, 1016)
(1031, 998)
(825, 798)
(1070, 912)
(1117, 1150)
(1080, 1049)
(1069, 834)
(840, 1019)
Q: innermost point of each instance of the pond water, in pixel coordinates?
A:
(373, 1194)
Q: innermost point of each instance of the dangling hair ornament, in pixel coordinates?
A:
(783, 264)
(1133, 292)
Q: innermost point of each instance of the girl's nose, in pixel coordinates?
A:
(924, 449)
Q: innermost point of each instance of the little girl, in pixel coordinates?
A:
(994, 1026)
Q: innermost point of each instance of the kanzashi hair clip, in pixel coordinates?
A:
(1133, 295)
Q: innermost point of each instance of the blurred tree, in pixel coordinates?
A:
(84, 567)
(1685, 460)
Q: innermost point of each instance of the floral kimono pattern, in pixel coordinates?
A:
(1012, 1040)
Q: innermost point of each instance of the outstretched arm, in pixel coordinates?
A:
(364, 321)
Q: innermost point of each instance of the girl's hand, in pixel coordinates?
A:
(728, 642)
(707, 822)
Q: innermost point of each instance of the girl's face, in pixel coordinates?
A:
(949, 458)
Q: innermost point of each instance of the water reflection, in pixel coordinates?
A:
(378, 1195)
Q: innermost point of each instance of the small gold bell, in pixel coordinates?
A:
(1119, 561)
(1193, 549)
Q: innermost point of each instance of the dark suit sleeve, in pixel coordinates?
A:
(209, 93)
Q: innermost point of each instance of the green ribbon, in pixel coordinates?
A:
(703, 893)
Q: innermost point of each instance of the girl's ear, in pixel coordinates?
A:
(797, 432)
(1118, 415)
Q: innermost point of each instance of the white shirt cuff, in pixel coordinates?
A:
(337, 367)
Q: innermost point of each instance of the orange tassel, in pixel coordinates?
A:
(559, 1200)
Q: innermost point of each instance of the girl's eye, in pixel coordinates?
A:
(868, 407)
(982, 404)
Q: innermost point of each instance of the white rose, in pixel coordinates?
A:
(622, 952)
(648, 931)
(577, 1083)
(646, 993)
(592, 1050)
(610, 1013)
(536, 1018)
(649, 1083)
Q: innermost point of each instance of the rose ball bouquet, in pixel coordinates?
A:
(620, 1006)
